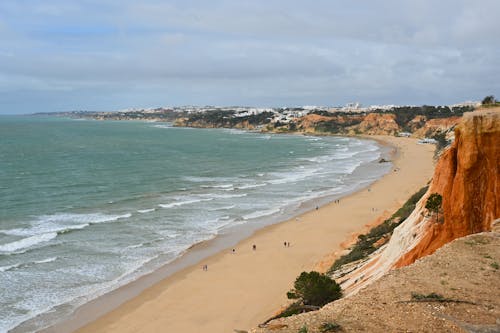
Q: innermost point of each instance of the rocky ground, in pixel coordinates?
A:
(464, 273)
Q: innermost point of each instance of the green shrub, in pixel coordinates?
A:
(291, 310)
(434, 203)
(314, 288)
(303, 329)
(421, 297)
(488, 100)
(409, 205)
(330, 327)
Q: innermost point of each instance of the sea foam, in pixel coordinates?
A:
(63, 223)
(27, 242)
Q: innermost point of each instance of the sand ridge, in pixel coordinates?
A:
(242, 289)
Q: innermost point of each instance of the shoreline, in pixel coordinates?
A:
(131, 300)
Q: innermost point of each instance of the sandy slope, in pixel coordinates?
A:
(240, 290)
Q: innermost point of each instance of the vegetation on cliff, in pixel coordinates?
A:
(467, 178)
(315, 289)
(365, 244)
(434, 203)
(490, 101)
(428, 119)
(312, 290)
(406, 114)
(226, 119)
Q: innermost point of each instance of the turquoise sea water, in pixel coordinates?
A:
(87, 206)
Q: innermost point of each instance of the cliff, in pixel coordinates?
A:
(377, 123)
(424, 121)
(372, 124)
(421, 127)
(467, 178)
(336, 124)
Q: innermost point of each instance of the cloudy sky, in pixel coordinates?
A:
(60, 55)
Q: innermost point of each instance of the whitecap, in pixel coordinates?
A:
(143, 211)
(222, 208)
(223, 196)
(63, 223)
(27, 242)
(182, 203)
(247, 186)
(9, 267)
(135, 246)
(218, 186)
(201, 179)
(65, 230)
(289, 177)
(44, 261)
(261, 213)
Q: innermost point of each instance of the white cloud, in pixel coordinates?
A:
(260, 52)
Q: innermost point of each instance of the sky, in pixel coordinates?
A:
(60, 55)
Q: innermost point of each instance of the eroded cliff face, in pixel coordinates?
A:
(373, 124)
(420, 127)
(378, 124)
(468, 178)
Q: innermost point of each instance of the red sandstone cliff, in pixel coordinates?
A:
(420, 127)
(373, 124)
(467, 176)
(378, 123)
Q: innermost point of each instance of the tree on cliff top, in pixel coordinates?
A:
(488, 100)
(315, 289)
(434, 203)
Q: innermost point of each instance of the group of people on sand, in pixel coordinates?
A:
(254, 247)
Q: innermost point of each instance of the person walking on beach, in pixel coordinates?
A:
(284, 244)
(254, 247)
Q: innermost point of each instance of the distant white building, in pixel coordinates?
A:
(382, 107)
(466, 103)
(353, 107)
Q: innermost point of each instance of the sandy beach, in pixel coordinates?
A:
(242, 289)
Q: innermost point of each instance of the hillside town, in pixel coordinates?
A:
(280, 115)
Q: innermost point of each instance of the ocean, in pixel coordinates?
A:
(88, 206)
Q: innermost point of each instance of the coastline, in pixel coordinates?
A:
(241, 290)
